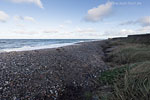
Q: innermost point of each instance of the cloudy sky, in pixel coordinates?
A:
(71, 19)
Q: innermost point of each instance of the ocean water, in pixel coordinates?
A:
(8, 45)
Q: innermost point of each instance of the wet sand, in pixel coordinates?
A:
(44, 74)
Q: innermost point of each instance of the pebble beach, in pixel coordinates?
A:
(44, 74)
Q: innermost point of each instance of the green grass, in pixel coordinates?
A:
(130, 53)
(130, 77)
(108, 77)
(128, 83)
(134, 86)
(88, 95)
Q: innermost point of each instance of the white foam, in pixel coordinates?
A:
(81, 41)
(29, 48)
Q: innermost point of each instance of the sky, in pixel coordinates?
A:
(73, 19)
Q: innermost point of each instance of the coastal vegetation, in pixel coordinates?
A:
(129, 75)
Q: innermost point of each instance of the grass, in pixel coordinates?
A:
(130, 77)
(108, 77)
(134, 86)
(88, 95)
(130, 53)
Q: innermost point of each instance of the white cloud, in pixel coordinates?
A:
(27, 32)
(50, 31)
(42, 33)
(86, 30)
(62, 26)
(126, 32)
(26, 18)
(65, 24)
(144, 21)
(145, 29)
(127, 23)
(37, 2)
(20, 25)
(99, 13)
(118, 33)
(18, 18)
(68, 22)
(3, 16)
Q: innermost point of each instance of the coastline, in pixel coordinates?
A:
(46, 46)
(45, 73)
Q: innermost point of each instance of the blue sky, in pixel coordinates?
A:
(61, 19)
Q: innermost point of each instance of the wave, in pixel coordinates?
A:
(29, 48)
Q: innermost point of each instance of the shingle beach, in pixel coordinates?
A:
(44, 74)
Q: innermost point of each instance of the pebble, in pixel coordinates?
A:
(26, 75)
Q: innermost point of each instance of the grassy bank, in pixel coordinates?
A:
(129, 75)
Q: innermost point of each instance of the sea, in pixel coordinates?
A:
(9, 45)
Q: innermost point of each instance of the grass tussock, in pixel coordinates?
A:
(130, 78)
(130, 53)
(134, 86)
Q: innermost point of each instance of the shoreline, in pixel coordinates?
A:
(50, 46)
(47, 72)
